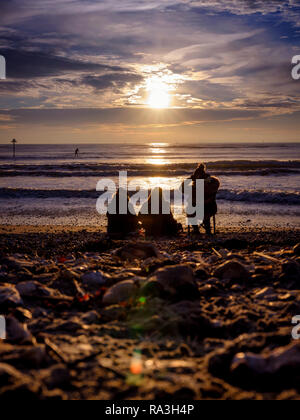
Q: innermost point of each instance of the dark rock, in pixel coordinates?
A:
(282, 363)
(201, 273)
(291, 270)
(17, 332)
(235, 244)
(58, 377)
(232, 271)
(138, 250)
(9, 296)
(120, 292)
(94, 279)
(177, 282)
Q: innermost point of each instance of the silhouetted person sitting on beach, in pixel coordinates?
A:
(121, 225)
(76, 153)
(156, 216)
(211, 187)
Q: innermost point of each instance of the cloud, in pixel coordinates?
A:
(128, 116)
(115, 81)
(231, 58)
(30, 65)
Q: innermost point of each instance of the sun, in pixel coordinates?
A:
(159, 96)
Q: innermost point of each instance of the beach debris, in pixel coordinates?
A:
(120, 292)
(138, 250)
(9, 296)
(218, 254)
(296, 249)
(265, 293)
(232, 270)
(283, 358)
(176, 282)
(22, 314)
(94, 279)
(266, 257)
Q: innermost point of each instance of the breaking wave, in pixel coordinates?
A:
(271, 197)
(220, 168)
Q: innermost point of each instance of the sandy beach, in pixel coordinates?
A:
(186, 318)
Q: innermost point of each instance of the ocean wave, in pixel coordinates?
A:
(270, 197)
(220, 168)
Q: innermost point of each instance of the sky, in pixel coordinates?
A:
(87, 71)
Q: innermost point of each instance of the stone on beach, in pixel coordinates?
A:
(291, 270)
(9, 296)
(279, 361)
(232, 270)
(94, 279)
(138, 250)
(120, 292)
(13, 263)
(33, 288)
(176, 282)
(17, 332)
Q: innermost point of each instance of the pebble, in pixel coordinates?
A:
(232, 270)
(9, 296)
(17, 332)
(138, 250)
(120, 292)
(271, 364)
(177, 282)
(94, 279)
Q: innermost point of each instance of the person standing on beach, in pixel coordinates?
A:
(76, 153)
(211, 187)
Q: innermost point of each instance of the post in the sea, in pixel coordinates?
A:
(14, 141)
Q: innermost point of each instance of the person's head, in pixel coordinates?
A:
(201, 170)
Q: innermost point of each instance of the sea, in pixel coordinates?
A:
(48, 185)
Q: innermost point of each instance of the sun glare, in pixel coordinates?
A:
(159, 96)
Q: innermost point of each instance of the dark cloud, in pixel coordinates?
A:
(112, 80)
(31, 65)
(15, 87)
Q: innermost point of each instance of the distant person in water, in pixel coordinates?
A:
(156, 216)
(76, 153)
(211, 187)
(121, 225)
